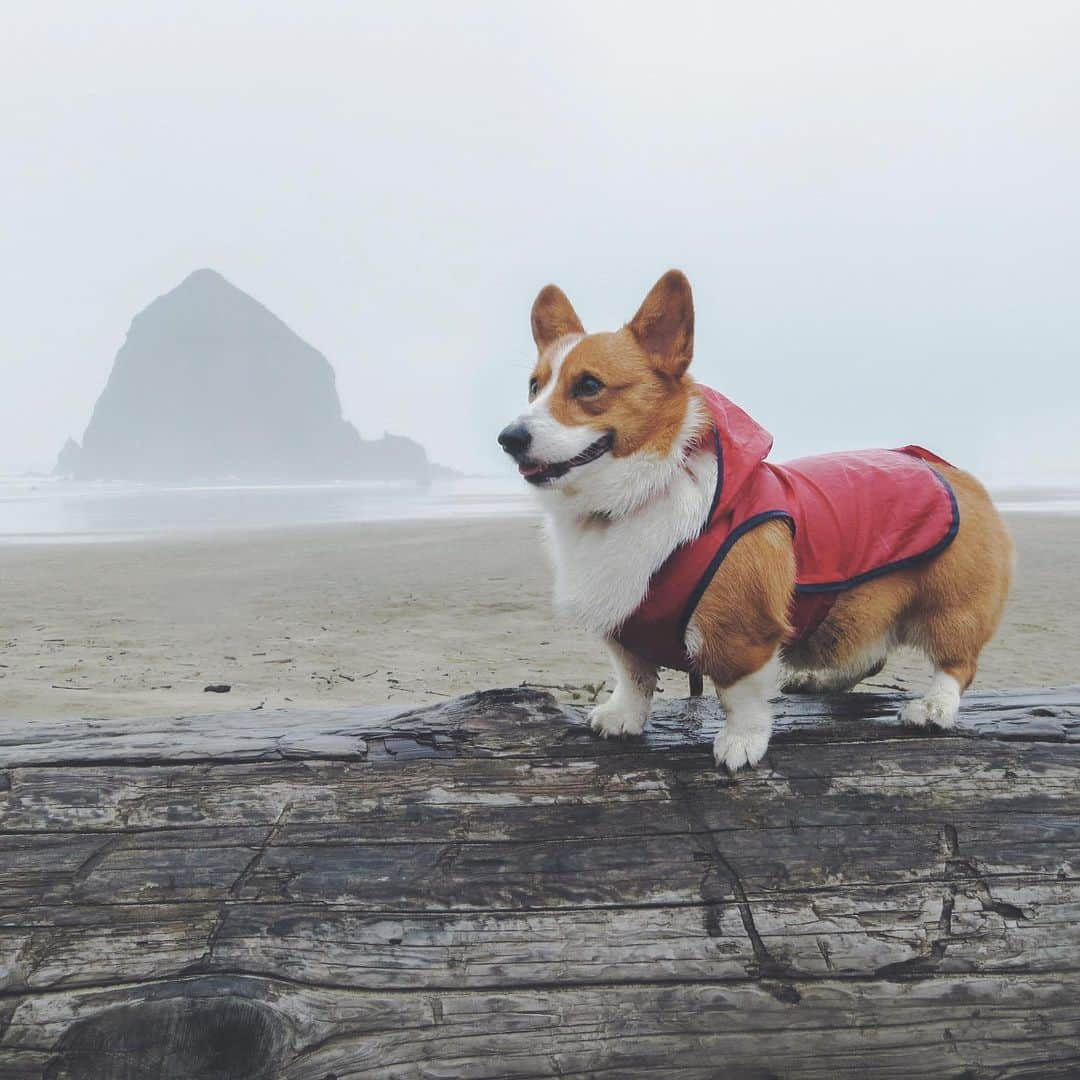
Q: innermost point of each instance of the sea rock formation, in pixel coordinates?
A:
(67, 461)
(209, 384)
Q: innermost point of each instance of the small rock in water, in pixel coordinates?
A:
(217, 688)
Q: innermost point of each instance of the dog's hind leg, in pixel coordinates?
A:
(951, 632)
(958, 603)
(941, 703)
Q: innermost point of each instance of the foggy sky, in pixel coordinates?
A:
(876, 204)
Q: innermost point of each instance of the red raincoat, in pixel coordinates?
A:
(853, 516)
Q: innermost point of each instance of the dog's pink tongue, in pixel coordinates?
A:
(530, 470)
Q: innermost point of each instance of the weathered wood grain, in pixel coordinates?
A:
(484, 889)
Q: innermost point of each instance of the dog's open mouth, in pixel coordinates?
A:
(541, 474)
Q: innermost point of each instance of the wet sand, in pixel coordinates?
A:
(354, 614)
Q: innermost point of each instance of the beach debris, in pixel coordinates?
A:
(576, 692)
(57, 686)
(217, 688)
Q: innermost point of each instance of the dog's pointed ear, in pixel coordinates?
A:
(664, 324)
(553, 316)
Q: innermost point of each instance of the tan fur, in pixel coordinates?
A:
(960, 596)
(553, 317)
(948, 607)
(664, 324)
(641, 366)
(542, 372)
(743, 614)
(642, 406)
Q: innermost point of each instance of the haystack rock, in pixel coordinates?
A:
(209, 384)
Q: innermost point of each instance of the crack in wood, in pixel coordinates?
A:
(205, 962)
(569, 986)
(766, 966)
(271, 835)
(959, 867)
(826, 953)
(96, 858)
(958, 870)
(33, 953)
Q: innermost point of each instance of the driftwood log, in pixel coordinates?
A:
(485, 889)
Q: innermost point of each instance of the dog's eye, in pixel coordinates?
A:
(534, 385)
(587, 386)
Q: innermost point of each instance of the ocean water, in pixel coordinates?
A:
(36, 509)
(42, 509)
(1039, 499)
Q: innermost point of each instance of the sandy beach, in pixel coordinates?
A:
(361, 614)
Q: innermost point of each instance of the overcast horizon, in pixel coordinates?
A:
(876, 207)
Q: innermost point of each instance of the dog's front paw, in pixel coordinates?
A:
(936, 710)
(616, 718)
(734, 749)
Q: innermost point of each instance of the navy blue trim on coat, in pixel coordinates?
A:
(718, 558)
(900, 564)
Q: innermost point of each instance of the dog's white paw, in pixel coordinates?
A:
(615, 718)
(734, 749)
(935, 710)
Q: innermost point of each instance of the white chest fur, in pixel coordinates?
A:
(603, 563)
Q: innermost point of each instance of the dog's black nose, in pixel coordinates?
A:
(515, 439)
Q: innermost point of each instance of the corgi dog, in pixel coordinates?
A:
(679, 544)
